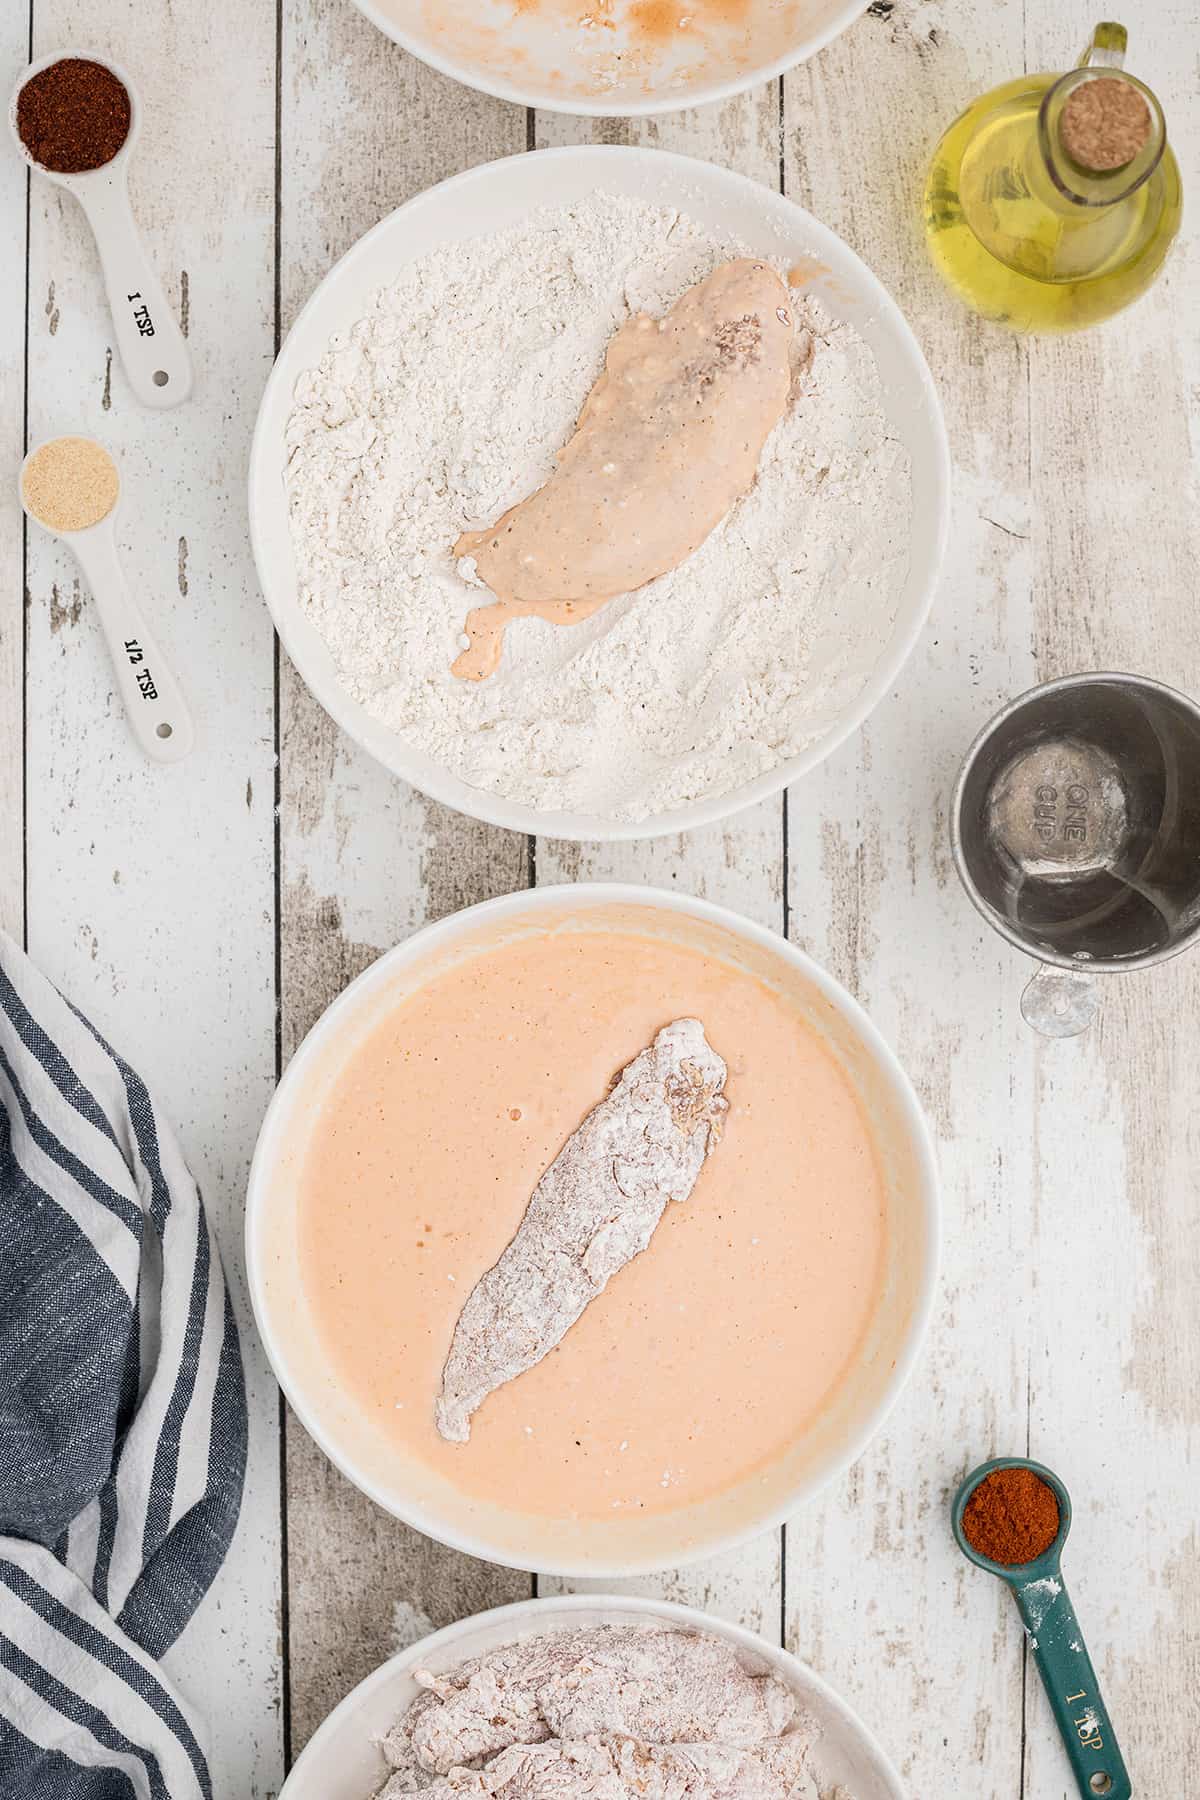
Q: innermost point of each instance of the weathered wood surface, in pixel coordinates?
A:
(915, 1639)
(1064, 1325)
(14, 48)
(1066, 1320)
(150, 892)
(363, 860)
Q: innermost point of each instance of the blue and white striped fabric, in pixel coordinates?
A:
(122, 1414)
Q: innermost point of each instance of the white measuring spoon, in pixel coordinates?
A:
(157, 712)
(151, 344)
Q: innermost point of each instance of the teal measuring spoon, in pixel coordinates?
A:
(1056, 1641)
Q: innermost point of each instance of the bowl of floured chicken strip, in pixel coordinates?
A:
(595, 1697)
(599, 492)
(593, 1230)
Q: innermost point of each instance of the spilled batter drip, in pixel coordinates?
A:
(669, 437)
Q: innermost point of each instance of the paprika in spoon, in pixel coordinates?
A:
(1011, 1517)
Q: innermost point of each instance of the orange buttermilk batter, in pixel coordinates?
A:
(706, 1355)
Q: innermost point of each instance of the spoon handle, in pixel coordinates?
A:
(153, 348)
(158, 714)
(1072, 1689)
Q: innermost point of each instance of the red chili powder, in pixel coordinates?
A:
(1011, 1517)
(73, 116)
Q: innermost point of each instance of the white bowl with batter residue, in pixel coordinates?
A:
(343, 1762)
(618, 1543)
(612, 58)
(858, 648)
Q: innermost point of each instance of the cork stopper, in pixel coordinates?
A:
(70, 483)
(1104, 123)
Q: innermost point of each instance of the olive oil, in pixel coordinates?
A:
(1028, 234)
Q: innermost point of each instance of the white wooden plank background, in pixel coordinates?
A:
(205, 930)
(150, 892)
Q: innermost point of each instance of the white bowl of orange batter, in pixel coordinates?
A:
(612, 58)
(725, 1374)
(342, 1762)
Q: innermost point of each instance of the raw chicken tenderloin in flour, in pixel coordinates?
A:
(668, 439)
(595, 1207)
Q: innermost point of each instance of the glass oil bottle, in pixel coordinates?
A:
(1051, 202)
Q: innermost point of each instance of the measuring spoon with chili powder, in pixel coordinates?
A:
(75, 118)
(1020, 1512)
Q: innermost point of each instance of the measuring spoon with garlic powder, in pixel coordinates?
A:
(151, 345)
(1056, 1641)
(71, 487)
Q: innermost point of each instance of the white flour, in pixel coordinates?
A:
(445, 405)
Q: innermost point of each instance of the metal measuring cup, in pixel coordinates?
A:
(1075, 827)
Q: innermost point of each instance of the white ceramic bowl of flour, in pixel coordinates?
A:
(546, 755)
(342, 1762)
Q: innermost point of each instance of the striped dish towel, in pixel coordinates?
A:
(122, 1414)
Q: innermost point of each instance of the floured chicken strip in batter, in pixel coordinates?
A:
(594, 1209)
(625, 1712)
(668, 439)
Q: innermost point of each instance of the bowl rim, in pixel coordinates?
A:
(439, 783)
(842, 16)
(522, 1613)
(427, 940)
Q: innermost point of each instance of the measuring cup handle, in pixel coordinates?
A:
(153, 349)
(1059, 1003)
(1072, 1689)
(158, 714)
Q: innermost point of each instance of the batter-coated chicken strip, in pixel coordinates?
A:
(622, 1768)
(668, 438)
(595, 1207)
(604, 1712)
(657, 1684)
